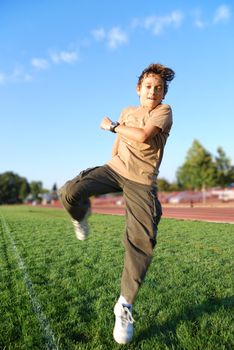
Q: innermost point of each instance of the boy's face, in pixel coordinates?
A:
(151, 91)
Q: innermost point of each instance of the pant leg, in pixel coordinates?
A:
(143, 213)
(75, 194)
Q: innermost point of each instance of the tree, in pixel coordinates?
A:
(199, 170)
(225, 170)
(166, 186)
(13, 188)
(54, 192)
(54, 188)
(163, 185)
(36, 188)
(24, 190)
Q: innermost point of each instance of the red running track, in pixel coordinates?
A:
(212, 214)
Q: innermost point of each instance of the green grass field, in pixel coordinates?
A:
(59, 293)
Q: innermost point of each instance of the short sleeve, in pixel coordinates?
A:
(161, 117)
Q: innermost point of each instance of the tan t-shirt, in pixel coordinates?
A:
(140, 161)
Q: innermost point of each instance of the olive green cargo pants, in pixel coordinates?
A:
(143, 213)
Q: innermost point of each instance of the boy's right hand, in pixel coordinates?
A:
(105, 123)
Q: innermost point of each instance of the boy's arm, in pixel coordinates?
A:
(138, 134)
(132, 133)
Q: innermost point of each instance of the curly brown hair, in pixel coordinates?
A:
(167, 74)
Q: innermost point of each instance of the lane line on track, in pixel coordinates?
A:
(48, 335)
(194, 214)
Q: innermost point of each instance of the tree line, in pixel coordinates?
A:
(15, 188)
(199, 171)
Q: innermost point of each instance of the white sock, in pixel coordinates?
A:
(123, 301)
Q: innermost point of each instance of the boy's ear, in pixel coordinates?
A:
(138, 89)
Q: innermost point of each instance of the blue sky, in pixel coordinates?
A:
(66, 64)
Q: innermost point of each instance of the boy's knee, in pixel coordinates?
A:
(64, 191)
(71, 194)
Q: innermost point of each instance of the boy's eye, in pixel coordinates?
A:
(157, 88)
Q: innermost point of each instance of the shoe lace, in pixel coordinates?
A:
(127, 315)
(76, 224)
(80, 224)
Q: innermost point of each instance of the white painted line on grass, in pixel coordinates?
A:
(50, 340)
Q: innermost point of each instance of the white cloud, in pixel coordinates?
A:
(222, 14)
(176, 18)
(135, 23)
(199, 23)
(17, 75)
(17, 72)
(99, 34)
(27, 77)
(116, 37)
(64, 56)
(2, 78)
(157, 24)
(39, 63)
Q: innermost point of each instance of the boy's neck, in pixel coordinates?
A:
(149, 109)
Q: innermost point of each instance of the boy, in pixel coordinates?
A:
(136, 156)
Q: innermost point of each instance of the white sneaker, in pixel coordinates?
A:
(81, 227)
(123, 330)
